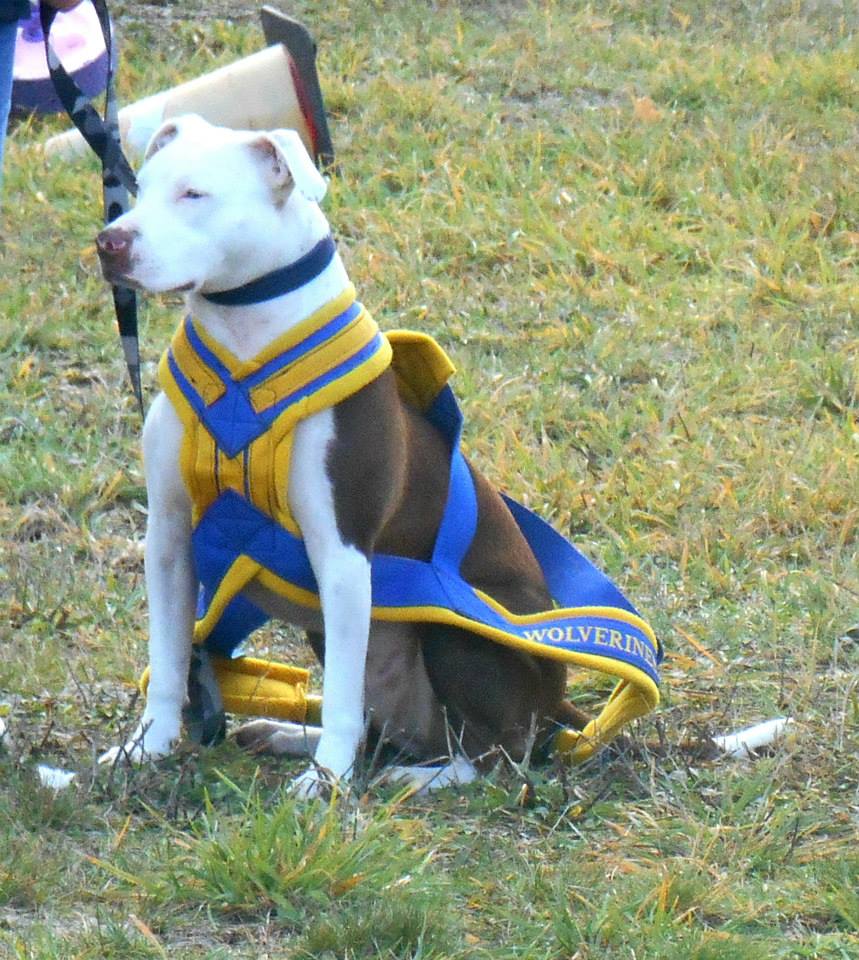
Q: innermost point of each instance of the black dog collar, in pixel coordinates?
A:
(275, 284)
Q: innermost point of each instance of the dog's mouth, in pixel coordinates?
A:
(117, 278)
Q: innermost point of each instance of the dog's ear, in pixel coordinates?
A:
(168, 131)
(288, 162)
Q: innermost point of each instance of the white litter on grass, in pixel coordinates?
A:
(7, 744)
(743, 743)
(54, 778)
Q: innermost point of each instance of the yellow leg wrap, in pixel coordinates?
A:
(261, 688)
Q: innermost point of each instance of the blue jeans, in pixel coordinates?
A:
(7, 57)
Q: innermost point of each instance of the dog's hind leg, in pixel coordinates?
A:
(278, 738)
(422, 779)
(296, 740)
(494, 696)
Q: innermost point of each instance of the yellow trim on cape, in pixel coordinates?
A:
(634, 695)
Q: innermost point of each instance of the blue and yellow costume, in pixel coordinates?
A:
(239, 418)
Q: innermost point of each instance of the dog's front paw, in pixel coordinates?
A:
(131, 753)
(315, 782)
(149, 742)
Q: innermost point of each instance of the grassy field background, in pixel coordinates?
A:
(635, 227)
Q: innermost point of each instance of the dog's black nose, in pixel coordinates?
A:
(114, 242)
(114, 251)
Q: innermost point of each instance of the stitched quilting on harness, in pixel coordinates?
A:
(239, 418)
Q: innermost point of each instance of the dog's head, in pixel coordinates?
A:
(215, 208)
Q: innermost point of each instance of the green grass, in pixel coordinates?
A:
(635, 228)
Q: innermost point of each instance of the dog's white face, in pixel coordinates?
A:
(215, 209)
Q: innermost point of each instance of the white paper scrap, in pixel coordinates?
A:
(743, 743)
(54, 778)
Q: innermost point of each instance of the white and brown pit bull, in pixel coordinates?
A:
(216, 210)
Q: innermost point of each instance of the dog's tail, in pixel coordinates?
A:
(568, 715)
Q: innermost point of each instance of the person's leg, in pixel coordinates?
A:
(7, 57)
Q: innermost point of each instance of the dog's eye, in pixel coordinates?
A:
(190, 194)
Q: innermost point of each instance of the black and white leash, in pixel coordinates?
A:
(118, 179)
